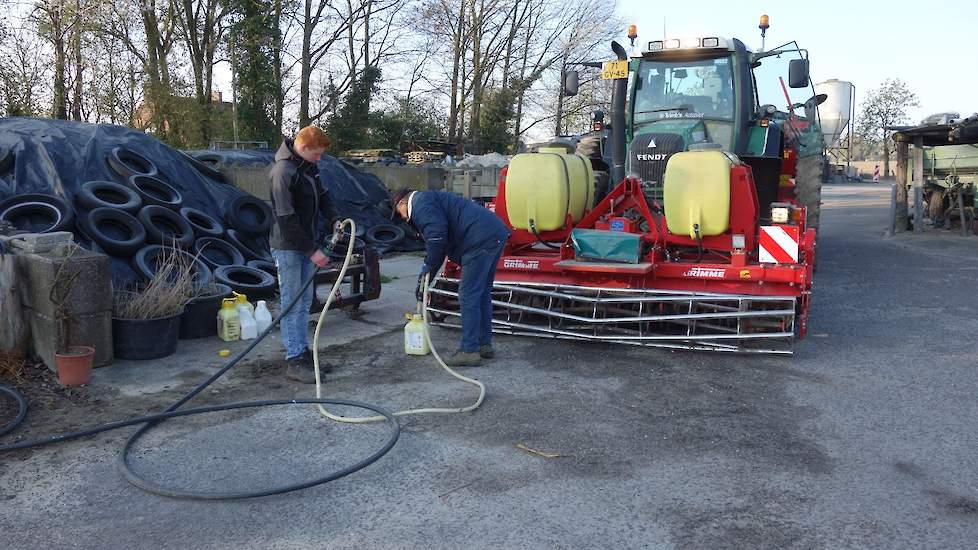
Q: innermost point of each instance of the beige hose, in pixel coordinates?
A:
(431, 345)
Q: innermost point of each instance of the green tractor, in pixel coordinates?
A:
(713, 92)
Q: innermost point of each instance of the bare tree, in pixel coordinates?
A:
(54, 20)
(23, 71)
(884, 107)
(201, 26)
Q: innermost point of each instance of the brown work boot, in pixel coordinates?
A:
(463, 359)
(486, 351)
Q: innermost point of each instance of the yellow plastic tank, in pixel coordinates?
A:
(546, 186)
(696, 192)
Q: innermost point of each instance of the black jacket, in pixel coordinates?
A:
(299, 201)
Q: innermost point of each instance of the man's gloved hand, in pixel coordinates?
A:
(419, 290)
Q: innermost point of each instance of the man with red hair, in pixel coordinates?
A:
(299, 201)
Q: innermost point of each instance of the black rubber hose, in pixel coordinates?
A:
(533, 229)
(21, 409)
(152, 420)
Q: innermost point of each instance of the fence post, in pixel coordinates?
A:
(893, 209)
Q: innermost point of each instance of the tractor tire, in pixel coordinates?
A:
(117, 232)
(808, 187)
(128, 163)
(203, 223)
(166, 227)
(108, 194)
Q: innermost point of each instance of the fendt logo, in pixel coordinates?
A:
(521, 264)
(704, 272)
(654, 157)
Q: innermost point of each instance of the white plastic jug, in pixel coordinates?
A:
(415, 342)
(249, 328)
(262, 316)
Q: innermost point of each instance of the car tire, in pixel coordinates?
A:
(143, 263)
(204, 224)
(385, 234)
(38, 213)
(206, 168)
(266, 266)
(128, 163)
(217, 252)
(249, 215)
(108, 194)
(117, 232)
(166, 227)
(246, 280)
(153, 190)
(250, 247)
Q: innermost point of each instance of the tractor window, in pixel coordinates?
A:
(684, 89)
(795, 107)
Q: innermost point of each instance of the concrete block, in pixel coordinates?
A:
(91, 293)
(40, 243)
(93, 330)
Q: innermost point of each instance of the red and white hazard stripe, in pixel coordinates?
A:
(778, 244)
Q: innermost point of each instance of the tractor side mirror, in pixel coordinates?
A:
(571, 83)
(798, 73)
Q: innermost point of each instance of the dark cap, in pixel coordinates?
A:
(398, 197)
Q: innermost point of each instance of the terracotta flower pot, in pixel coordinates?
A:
(75, 365)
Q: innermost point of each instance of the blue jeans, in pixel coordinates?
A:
(475, 295)
(294, 269)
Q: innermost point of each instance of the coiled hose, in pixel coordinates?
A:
(152, 420)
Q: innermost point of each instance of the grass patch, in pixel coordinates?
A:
(384, 279)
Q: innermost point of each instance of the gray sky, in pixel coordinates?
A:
(932, 45)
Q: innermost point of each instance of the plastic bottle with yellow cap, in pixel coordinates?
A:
(228, 323)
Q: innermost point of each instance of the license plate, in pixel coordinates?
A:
(611, 70)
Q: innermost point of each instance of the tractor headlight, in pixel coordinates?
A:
(711, 42)
(779, 214)
(655, 46)
(672, 44)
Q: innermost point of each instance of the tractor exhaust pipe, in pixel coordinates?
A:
(618, 121)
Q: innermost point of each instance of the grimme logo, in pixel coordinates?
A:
(704, 272)
(521, 264)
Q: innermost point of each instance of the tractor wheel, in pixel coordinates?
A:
(808, 187)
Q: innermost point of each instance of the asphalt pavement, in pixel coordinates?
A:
(865, 438)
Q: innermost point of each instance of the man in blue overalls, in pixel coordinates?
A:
(471, 236)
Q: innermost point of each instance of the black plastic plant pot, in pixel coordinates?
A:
(199, 319)
(140, 339)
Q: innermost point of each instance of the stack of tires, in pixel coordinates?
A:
(133, 221)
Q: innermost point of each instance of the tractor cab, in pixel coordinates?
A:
(713, 91)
